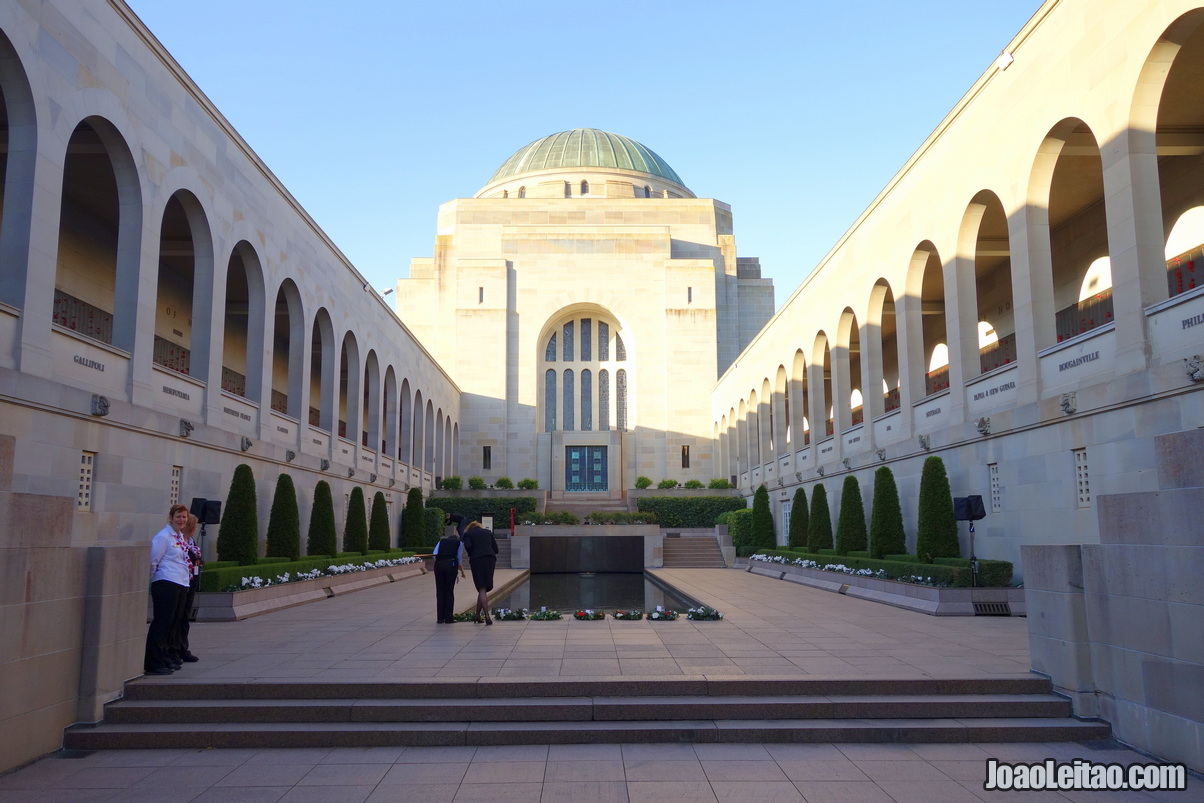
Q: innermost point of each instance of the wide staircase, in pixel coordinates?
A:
(692, 552)
(502, 711)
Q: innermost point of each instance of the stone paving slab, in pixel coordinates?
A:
(388, 633)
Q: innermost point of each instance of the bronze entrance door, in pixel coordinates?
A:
(585, 468)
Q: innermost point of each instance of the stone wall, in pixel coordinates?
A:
(1119, 625)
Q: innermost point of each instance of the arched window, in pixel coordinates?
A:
(621, 401)
(647, 191)
(522, 192)
(568, 400)
(585, 394)
(549, 401)
(585, 188)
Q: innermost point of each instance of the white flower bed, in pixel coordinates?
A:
(313, 574)
(880, 574)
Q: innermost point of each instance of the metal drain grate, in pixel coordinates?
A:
(992, 609)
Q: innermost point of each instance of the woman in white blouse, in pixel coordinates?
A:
(169, 574)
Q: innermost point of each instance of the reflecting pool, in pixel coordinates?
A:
(606, 591)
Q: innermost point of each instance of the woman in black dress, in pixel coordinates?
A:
(481, 547)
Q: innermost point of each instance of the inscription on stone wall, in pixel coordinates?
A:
(316, 441)
(1194, 320)
(86, 362)
(281, 429)
(236, 413)
(825, 450)
(170, 391)
(1077, 361)
(932, 412)
(986, 392)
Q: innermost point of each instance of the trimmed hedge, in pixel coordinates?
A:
(413, 522)
(555, 517)
(355, 531)
(284, 523)
(219, 579)
(498, 507)
(740, 528)
(238, 538)
(614, 517)
(991, 573)
(322, 538)
(800, 518)
(688, 511)
(378, 525)
(819, 527)
(936, 526)
(850, 522)
(886, 517)
(762, 521)
(434, 526)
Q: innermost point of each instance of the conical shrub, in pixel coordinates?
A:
(284, 525)
(850, 525)
(819, 528)
(763, 536)
(936, 527)
(413, 524)
(355, 530)
(378, 528)
(322, 539)
(887, 536)
(238, 538)
(799, 518)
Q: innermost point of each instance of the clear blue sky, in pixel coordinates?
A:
(374, 112)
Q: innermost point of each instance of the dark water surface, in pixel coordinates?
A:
(605, 591)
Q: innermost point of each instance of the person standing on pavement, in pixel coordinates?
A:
(169, 584)
(449, 557)
(482, 558)
(178, 641)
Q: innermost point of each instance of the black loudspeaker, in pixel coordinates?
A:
(207, 511)
(968, 508)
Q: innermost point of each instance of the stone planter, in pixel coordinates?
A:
(230, 606)
(925, 599)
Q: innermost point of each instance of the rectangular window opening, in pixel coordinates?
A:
(1082, 477)
(996, 491)
(685, 457)
(83, 500)
(480, 295)
(486, 457)
(689, 295)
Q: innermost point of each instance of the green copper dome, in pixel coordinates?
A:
(585, 147)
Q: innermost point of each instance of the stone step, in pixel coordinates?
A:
(693, 552)
(368, 734)
(150, 688)
(603, 709)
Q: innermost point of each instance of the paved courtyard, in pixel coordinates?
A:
(771, 629)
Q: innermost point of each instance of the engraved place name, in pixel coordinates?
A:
(889, 427)
(825, 450)
(282, 429)
(316, 441)
(344, 450)
(851, 441)
(366, 458)
(982, 394)
(1194, 320)
(1077, 361)
(86, 362)
(236, 413)
(932, 412)
(179, 393)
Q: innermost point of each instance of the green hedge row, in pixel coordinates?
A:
(219, 579)
(614, 517)
(954, 572)
(697, 511)
(498, 507)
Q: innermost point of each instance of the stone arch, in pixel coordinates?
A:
(101, 216)
(323, 376)
(19, 126)
(244, 301)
